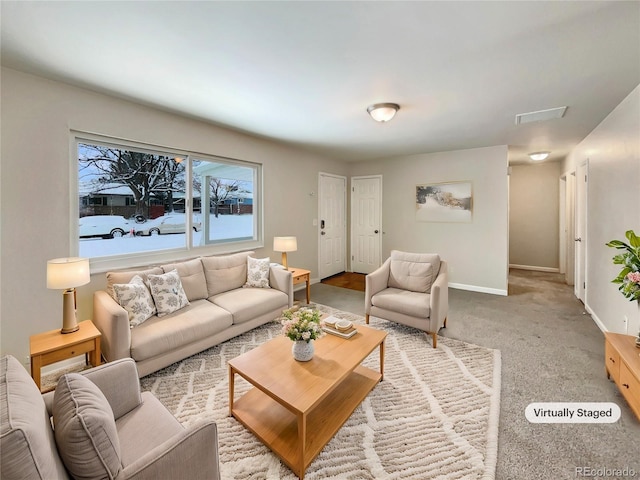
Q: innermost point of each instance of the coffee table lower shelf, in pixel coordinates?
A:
(279, 428)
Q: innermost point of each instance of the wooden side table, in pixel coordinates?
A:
(301, 275)
(622, 363)
(51, 347)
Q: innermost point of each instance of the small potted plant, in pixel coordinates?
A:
(629, 276)
(302, 326)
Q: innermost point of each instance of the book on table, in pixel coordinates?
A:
(329, 326)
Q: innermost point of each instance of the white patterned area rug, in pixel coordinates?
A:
(434, 416)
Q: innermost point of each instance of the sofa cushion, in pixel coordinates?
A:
(26, 439)
(85, 429)
(410, 303)
(167, 292)
(158, 335)
(258, 272)
(136, 299)
(413, 271)
(126, 276)
(147, 428)
(225, 272)
(248, 303)
(192, 278)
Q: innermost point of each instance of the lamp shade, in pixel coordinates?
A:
(63, 273)
(383, 112)
(285, 244)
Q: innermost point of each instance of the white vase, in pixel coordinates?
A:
(302, 351)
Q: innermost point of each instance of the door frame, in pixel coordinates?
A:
(351, 221)
(581, 191)
(567, 252)
(344, 224)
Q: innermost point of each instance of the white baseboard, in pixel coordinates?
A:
(535, 268)
(475, 288)
(598, 322)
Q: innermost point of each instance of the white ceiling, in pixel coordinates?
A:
(305, 72)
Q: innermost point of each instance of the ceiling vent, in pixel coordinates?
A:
(540, 115)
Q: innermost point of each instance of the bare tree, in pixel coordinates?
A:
(221, 190)
(145, 174)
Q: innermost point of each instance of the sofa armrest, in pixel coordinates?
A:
(282, 280)
(113, 322)
(192, 454)
(439, 302)
(375, 282)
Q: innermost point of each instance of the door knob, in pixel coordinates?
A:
(322, 233)
(375, 231)
(578, 239)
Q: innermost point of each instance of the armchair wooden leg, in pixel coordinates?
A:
(435, 339)
(366, 319)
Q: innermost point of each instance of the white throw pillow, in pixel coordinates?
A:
(258, 272)
(167, 292)
(136, 299)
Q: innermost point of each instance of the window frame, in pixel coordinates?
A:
(188, 250)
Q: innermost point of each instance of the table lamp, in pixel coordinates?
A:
(284, 245)
(66, 274)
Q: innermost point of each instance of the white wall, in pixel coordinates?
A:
(534, 216)
(477, 252)
(613, 207)
(37, 168)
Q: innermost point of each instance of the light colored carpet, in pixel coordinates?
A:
(435, 415)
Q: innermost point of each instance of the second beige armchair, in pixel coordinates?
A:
(411, 289)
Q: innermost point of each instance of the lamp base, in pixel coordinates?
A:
(284, 260)
(69, 320)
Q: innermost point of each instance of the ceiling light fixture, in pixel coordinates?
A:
(538, 156)
(383, 112)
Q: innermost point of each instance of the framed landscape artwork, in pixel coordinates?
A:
(444, 202)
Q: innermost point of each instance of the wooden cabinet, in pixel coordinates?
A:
(622, 361)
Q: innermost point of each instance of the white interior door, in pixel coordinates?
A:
(581, 231)
(366, 223)
(332, 229)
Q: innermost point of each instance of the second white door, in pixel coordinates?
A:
(366, 223)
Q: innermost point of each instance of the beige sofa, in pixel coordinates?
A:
(104, 428)
(220, 307)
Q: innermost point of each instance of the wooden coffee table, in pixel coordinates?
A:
(295, 408)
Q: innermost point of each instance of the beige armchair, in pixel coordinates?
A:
(411, 289)
(105, 427)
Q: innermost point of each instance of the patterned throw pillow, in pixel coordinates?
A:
(258, 272)
(136, 299)
(167, 292)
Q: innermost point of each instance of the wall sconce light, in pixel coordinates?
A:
(538, 156)
(284, 245)
(383, 112)
(66, 274)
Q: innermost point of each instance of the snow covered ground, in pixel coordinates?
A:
(223, 227)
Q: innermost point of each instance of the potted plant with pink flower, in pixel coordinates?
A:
(302, 326)
(629, 276)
